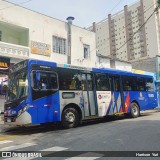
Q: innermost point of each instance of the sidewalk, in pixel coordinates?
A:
(2, 100)
(1, 119)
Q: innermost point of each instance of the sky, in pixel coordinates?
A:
(85, 12)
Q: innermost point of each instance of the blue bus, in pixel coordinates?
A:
(42, 92)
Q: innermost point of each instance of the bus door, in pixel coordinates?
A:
(88, 94)
(116, 93)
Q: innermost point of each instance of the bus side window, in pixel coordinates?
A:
(140, 84)
(149, 84)
(129, 83)
(68, 79)
(102, 82)
(83, 82)
(116, 84)
(47, 81)
(53, 81)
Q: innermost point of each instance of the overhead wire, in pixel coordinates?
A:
(116, 5)
(120, 30)
(138, 29)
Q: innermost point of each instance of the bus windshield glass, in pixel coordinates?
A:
(18, 86)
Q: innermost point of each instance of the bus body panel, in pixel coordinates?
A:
(48, 108)
(86, 104)
(91, 102)
(145, 100)
(71, 98)
(116, 102)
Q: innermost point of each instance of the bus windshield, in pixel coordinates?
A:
(18, 86)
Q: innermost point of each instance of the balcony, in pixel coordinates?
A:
(14, 41)
(12, 50)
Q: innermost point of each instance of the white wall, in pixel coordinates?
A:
(42, 28)
(103, 62)
(79, 38)
(123, 66)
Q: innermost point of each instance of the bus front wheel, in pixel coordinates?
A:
(70, 118)
(135, 112)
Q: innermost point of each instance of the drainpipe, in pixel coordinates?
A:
(69, 19)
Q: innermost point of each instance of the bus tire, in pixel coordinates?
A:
(70, 118)
(135, 112)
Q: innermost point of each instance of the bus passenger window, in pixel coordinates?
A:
(83, 85)
(68, 79)
(140, 84)
(102, 82)
(129, 83)
(48, 80)
(53, 81)
(149, 84)
(116, 84)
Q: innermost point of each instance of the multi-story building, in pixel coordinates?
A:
(124, 35)
(28, 34)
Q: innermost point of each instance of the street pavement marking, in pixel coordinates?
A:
(89, 156)
(54, 149)
(5, 141)
(11, 148)
(5, 137)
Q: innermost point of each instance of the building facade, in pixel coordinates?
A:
(28, 34)
(124, 35)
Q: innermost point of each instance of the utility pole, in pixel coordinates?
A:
(69, 19)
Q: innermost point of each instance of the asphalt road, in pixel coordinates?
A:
(115, 134)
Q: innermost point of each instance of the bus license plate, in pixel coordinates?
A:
(8, 120)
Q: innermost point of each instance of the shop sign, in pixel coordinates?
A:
(4, 64)
(40, 48)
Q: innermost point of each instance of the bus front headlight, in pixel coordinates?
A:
(25, 108)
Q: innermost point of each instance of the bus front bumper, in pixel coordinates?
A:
(23, 119)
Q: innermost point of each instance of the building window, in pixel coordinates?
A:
(86, 50)
(0, 35)
(59, 45)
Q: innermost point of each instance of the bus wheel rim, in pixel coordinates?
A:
(135, 110)
(70, 117)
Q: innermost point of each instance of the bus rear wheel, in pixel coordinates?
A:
(135, 112)
(70, 118)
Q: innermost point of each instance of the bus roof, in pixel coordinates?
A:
(116, 71)
(100, 70)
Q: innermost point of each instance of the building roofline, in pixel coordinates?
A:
(115, 14)
(17, 5)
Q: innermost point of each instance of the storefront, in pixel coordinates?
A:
(4, 69)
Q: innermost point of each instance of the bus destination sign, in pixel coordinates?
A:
(18, 66)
